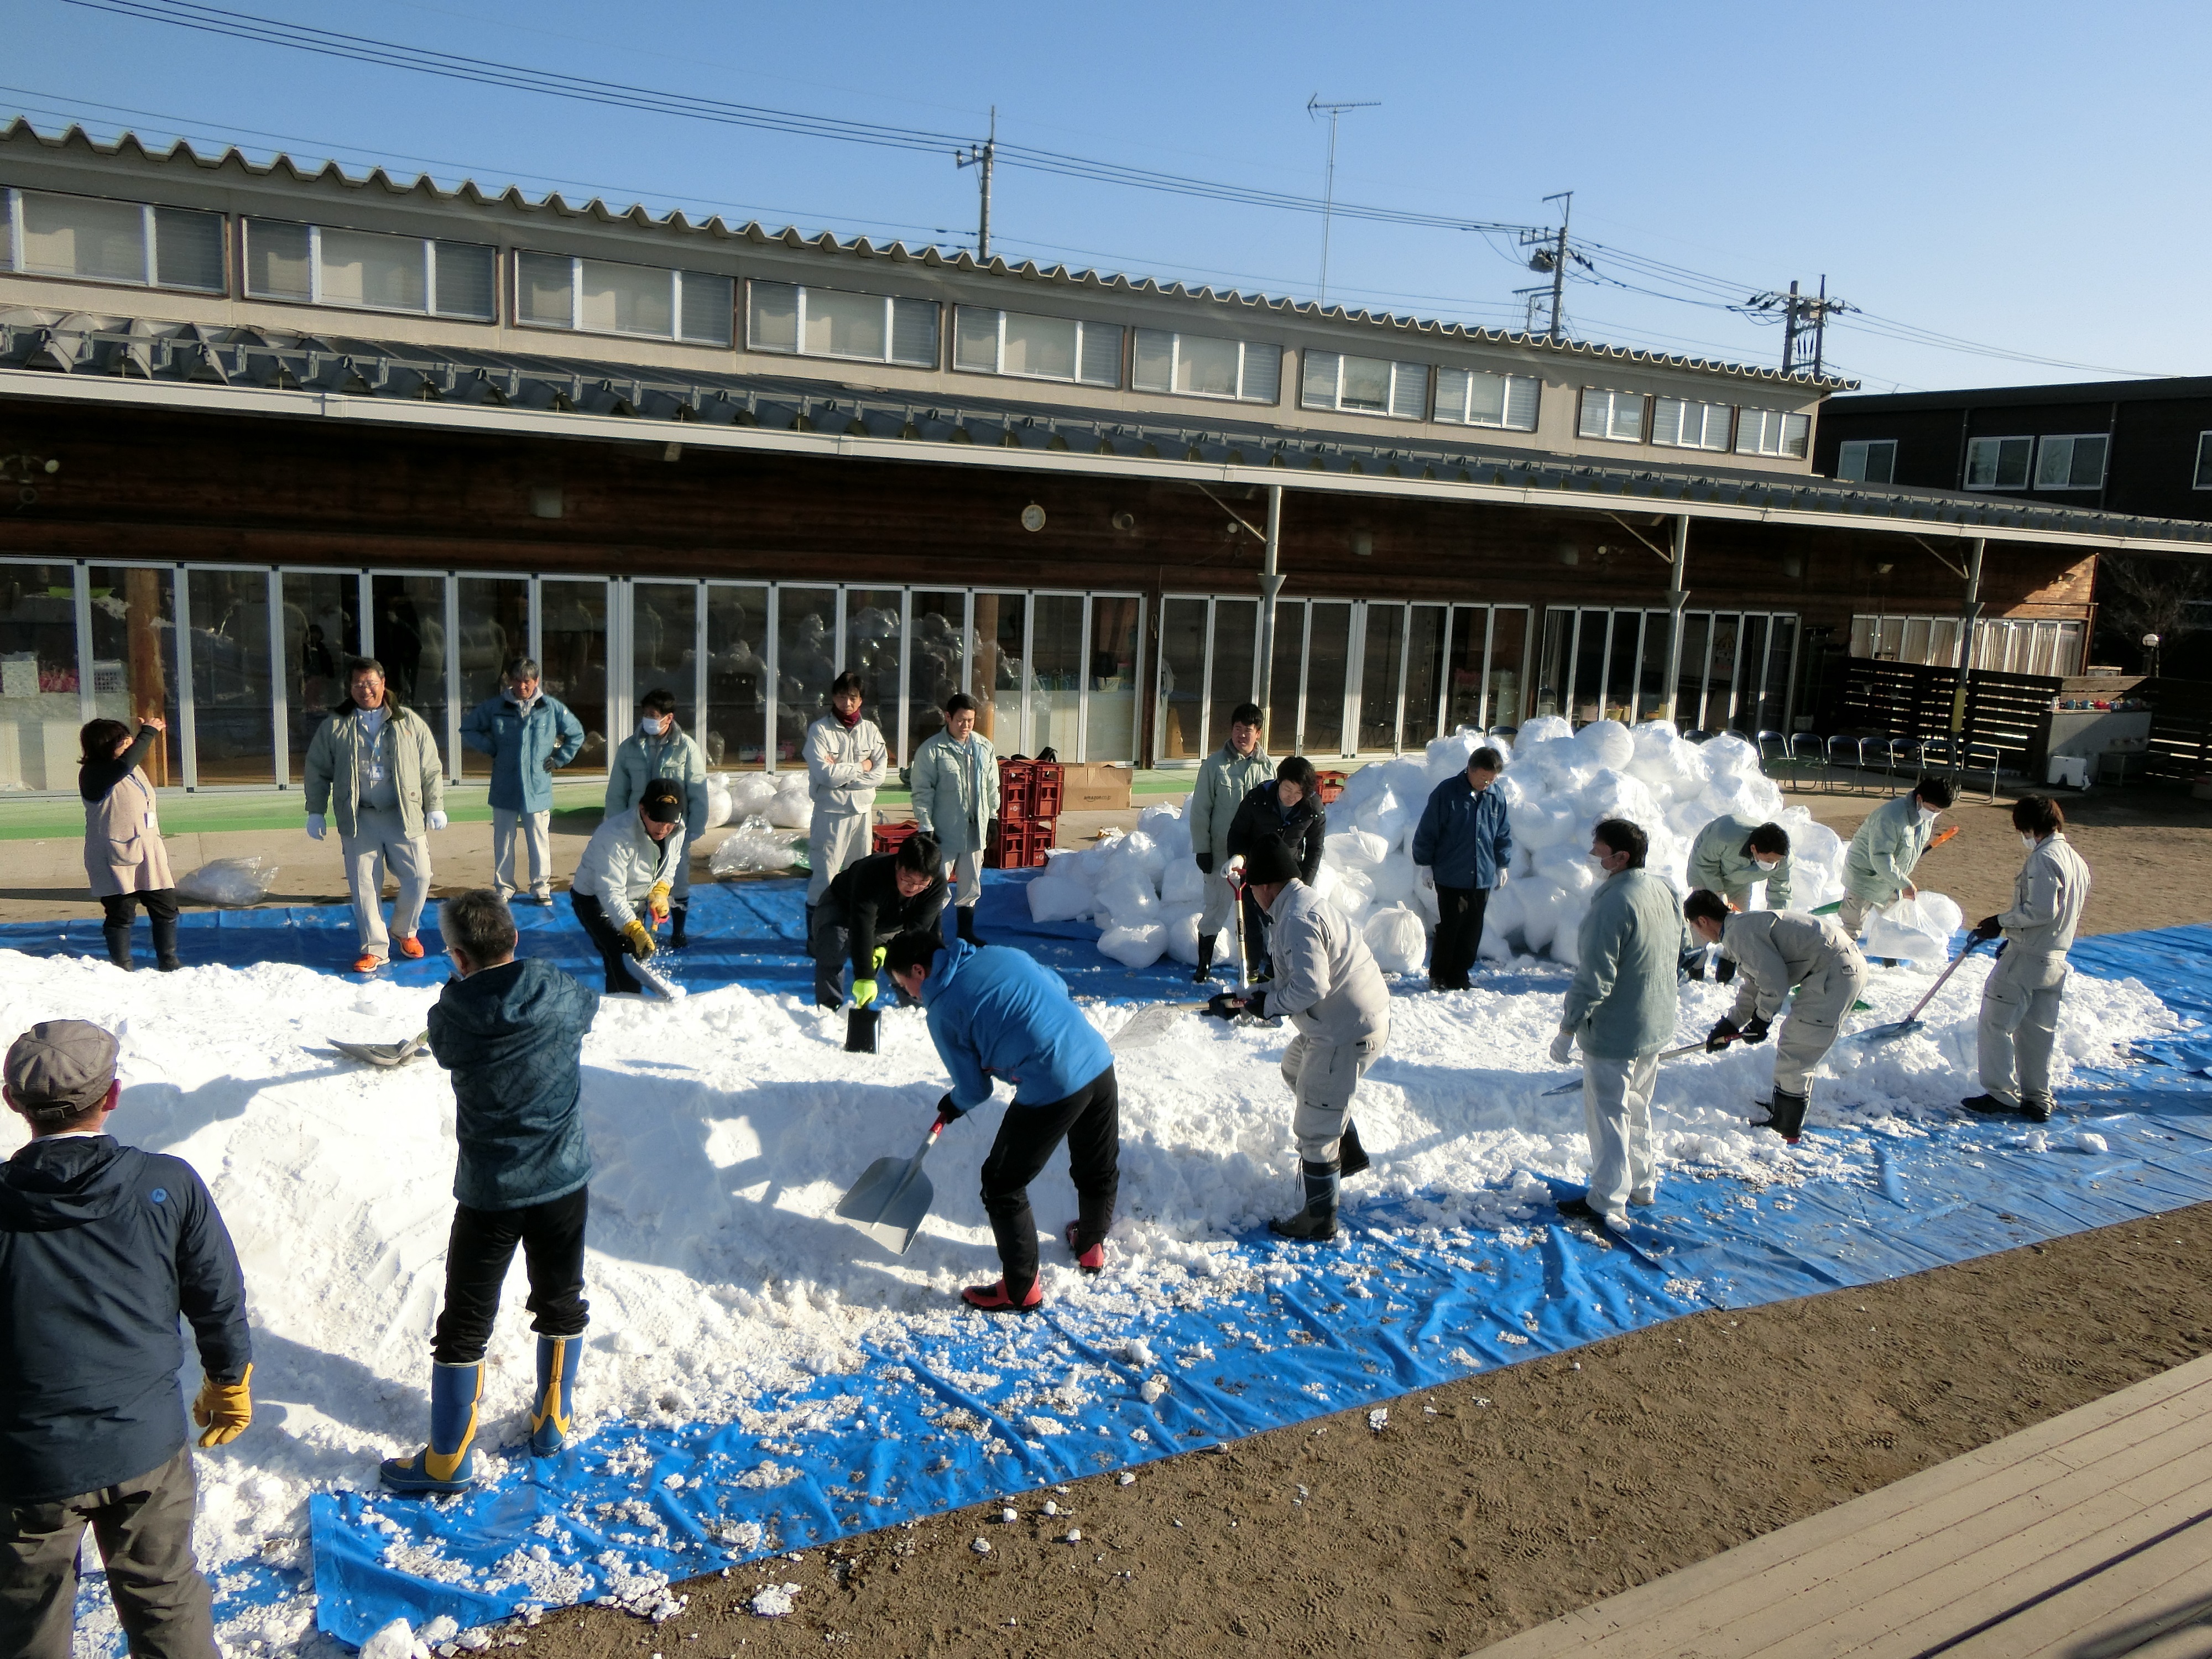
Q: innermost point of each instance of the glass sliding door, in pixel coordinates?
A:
(805, 663)
(233, 677)
(40, 708)
(1463, 661)
(1425, 675)
(572, 633)
(321, 629)
(1002, 661)
(1382, 647)
(1056, 652)
(134, 658)
(1508, 666)
(410, 613)
(1231, 677)
(1690, 680)
(1181, 734)
(1280, 705)
(1781, 662)
(1109, 701)
(1750, 674)
(1624, 651)
(494, 628)
(1329, 672)
(664, 646)
(937, 666)
(875, 625)
(734, 728)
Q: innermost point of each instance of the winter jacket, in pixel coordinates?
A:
(956, 792)
(1301, 830)
(1778, 949)
(1721, 862)
(2047, 897)
(519, 742)
(1624, 999)
(513, 1037)
(642, 759)
(998, 1012)
(1326, 980)
(123, 852)
(834, 779)
(864, 900)
(1225, 778)
(622, 864)
(334, 757)
(101, 1247)
(1463, 835)
(1887, 845)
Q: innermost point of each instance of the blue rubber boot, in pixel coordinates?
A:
(447, 1464)
(554, 1407)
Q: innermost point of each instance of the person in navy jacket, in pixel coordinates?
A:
(997, 1013)
(1465, 842)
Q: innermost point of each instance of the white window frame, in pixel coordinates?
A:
(1610, 400)
(316, 296)
(1175, 338)
(1864, 448)
(1706, 412)
(1996, 445)
(576, 262)
(1785, 435)
(891, 325)
(1399, 372)
(149, 220)
(1445, 414)
(999, 314)
(2048, 445)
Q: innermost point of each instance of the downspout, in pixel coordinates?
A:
(1271, 588)
(1677, 595)
(1970, 612)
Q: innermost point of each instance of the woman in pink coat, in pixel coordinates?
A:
(123, 851)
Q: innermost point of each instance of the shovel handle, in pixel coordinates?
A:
(1956, 962)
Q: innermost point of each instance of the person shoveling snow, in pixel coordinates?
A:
(630, 860)
(512, 1034)
(2018, 1024)
(1878, 868)
(996, 1013)
(1730, 856)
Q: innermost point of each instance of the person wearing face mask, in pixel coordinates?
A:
(530, 735)
(660, 748)
(846, 760)
(1782, 950)
(1620, 1010)
(1878, 868)
(1224, 778)
(956, 803)
(2020, 998)
(1730, 856)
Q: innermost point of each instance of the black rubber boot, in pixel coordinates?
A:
(1785, 1114)
(2036, 1109)
(966, 917)
(117, 935)
(165, 944)
(1990, 1106)
(1317, 1223)
(1725, 970)
(1205, 943)
(676, 937)
(1351, 1156)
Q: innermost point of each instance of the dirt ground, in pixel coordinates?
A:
(1496, 1503)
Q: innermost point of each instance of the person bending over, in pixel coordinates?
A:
(660, 748)
(884, 894)
(1731, 856)
(1878, 865)
(630, 862)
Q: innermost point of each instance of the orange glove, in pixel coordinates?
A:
(224, 1409)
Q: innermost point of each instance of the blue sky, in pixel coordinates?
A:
(2025, 177)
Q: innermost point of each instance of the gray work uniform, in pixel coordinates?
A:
(843, 791)
(379, 779)
(1621, 1008)
(1878, 864)
(1721, 862)
(1778, 949)
(2019, 1026)
(1327, 986)
(956, 796)
(1225, 778)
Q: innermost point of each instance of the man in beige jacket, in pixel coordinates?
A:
(374, 766)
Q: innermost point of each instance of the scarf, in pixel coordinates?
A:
(848, 722)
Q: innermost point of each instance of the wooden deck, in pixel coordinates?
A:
(2089, 1536)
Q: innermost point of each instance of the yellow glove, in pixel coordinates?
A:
(657, 901)
(223, 1409)
(640, 937)
(882, 951)
(864, 992)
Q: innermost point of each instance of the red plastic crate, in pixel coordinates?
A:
(889, 837)
(1020, 846)
(1045, 790)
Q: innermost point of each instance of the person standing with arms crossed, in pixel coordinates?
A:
(846, 761)
(661, 749)
(956, 801)
(2018, 1024)
(1467, 842)
(1224, 778)
(530, 735)
(124, 857)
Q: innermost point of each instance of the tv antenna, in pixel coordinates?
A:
(1315, 107)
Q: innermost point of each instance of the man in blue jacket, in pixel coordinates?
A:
(512, 1033)
(103, 1246)
(530, 735)
(996, 1013)
(1464, 840)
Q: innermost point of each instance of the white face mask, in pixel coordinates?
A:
(2028, 841)
(649, 727)
(1764, 864)
(1929, 814)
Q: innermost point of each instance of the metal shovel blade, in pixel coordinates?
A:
(383, 1054)
(1149, 1025)
(861, 1037)
(892, 1199)
(658, 982)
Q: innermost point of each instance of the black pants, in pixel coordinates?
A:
(1256, 927)
(1089, 1121)
(832, 946)
(552, 1234)
(613, 948)
(120, 908)
(1459, 933)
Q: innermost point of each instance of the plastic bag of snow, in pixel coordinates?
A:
(1182, 923)
(1915, 930)
(1448, 756)
(1355, 850)
(1730, 753)
(749, 793)
(1128, 898)
(1167, 828)
(1398, 941)
(791, 809)
(231, 881)
(718, 801)
(1138, 947)
(1139, 851)
(1182, 882)
(1055, 898)
(756, 846)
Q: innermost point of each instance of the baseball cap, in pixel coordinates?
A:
(662, 802)
(61, 1067)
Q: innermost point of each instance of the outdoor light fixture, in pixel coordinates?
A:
(1033, 518)
(1570, 554)
(1792, 565)
(1125, 522)
(1883, 569)
(1363, 543)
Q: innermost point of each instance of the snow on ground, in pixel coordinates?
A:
(725, 1127)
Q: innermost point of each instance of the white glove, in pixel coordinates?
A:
(1502, 876)
(317, 826)
(1562, 1046)
(436, 821)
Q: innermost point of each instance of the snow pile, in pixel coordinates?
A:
(1144, 892)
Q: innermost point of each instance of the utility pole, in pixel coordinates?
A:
(1316, 107)
(1552, 254)
(982, 157)
(1790, 316)
(1800, 316)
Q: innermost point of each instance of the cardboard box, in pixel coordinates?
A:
(1095, 786)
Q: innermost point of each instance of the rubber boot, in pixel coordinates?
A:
(165, 944)
(447, 1464)
(1317, 1223)
(1351, 1156)
(965, 914)
(676, 938)
(1205, 943)
(117, 935)
(554, 1405)
(1785, 1116)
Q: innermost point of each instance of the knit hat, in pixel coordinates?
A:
(1270, 865)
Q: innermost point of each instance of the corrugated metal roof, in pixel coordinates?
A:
(513, 199)
(119, 354)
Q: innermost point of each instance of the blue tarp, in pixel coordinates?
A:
(937, 1421)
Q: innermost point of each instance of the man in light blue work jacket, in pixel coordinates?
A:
(529, 735)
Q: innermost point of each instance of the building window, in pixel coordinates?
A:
(1475, 397)
(599, 297)
(1365, 386)
(1681, 425)
(2071, 463)
(1998, 463)
(1868, 461)
(1030, 348)
(1771, 432)
(1615, 416)
(364, 271)
(1204, 366)
(2204, 461)
(97, 240)
(822, 322)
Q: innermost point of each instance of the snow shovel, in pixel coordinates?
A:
(1149, 1025)
(383, 1054)
(1912, 1022)
(1669, 1053)
(1235, 877)
(891, 1201)
(657, 981)
(861, 1034)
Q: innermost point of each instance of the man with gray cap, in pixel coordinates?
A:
(103, 1246)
